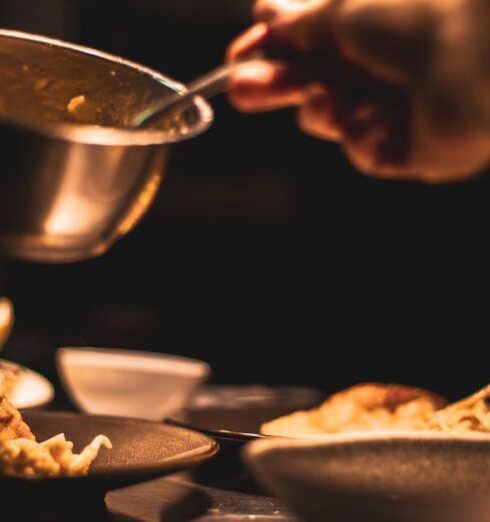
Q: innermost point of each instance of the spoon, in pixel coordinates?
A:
(210, 84)
(6, 319)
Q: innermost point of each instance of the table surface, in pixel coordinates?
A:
(180, 498)
(218, 490)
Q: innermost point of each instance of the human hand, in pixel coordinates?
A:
(403, 86)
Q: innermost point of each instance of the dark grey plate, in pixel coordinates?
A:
(235, 413)
(141, 450)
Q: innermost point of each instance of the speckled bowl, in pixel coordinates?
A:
(378, 475)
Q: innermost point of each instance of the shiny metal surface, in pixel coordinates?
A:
(7, 319)
(210, 84)
(74, 178)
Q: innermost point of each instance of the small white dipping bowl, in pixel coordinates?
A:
(128, 383)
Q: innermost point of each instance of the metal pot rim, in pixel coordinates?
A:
(96, 135)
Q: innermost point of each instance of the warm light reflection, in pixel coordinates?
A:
(143, 201)
(79, 206)
(5, 311)
(70, 216)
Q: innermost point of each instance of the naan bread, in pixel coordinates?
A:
(364, 407)
(11, 424)
(22, 456)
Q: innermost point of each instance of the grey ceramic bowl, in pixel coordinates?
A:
(377, 476)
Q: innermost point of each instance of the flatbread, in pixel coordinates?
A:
(364, 407)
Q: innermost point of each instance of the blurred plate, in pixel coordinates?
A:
(236, 412)
(233, 415)
(141, 450)
(28, 388)
(379, 476)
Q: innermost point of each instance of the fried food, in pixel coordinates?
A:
(11, 424)
(51, 458)
(22, 456)
(364, 407)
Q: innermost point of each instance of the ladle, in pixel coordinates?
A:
(210, 84)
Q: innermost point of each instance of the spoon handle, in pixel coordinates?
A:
(208, 85)
(212, 83)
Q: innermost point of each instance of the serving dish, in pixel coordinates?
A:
(141, 450)
(377, 475)
(82, 178)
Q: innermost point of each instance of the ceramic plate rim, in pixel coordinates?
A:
(43, 400)
(167, 466)
(239, 436)
(185, 366)
(272, 443)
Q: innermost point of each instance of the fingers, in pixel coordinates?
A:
(318, 117)
(377, 134)
(251, 41)
(266, 85)
(286, 26)
(283, 30)
(299, 25)
(272, 11)
(336, 99)
(372, 125)
(370, 119)
(280, 12)
(338, 105)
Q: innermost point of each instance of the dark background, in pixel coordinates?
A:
(265, 254)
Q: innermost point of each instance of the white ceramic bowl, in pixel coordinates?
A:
(30, 390)
(128, 383)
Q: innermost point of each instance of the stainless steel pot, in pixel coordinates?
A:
(73, 178)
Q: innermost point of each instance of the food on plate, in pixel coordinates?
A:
(22, 456)
(374, 406)
(11, 424)
(469, 414)
(368, 406)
